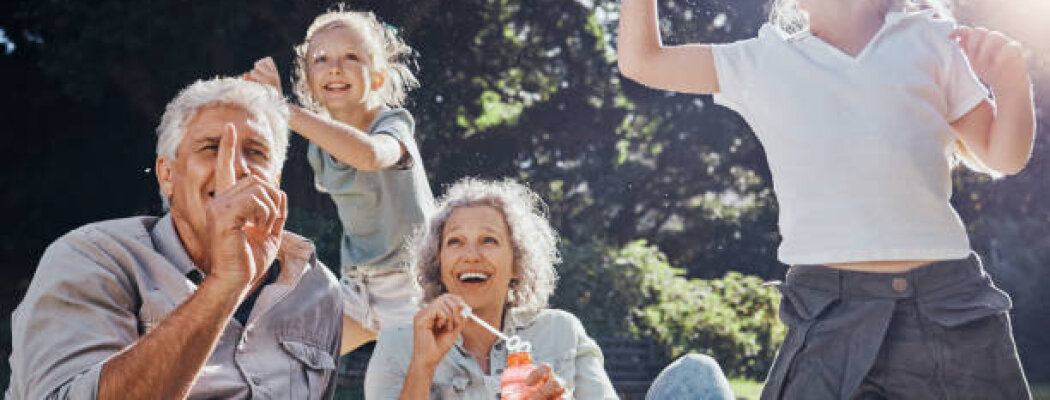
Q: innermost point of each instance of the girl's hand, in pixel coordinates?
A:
(435, 328)
(546, 385)
(265, 72)
(997, 59)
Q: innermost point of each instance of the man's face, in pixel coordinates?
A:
(188, 181)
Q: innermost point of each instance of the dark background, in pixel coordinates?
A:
(511, 88)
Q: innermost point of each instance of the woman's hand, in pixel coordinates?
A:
(265, 72)
(547, 385)
(435, 329)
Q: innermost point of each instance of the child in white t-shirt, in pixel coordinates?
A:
(862, 107)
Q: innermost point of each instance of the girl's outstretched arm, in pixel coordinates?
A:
(642, 57)
(344, 142)
(999, 134)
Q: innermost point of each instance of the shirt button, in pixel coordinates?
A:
(900, 284)
(256, 380)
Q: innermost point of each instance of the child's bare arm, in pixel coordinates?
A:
(642, 57)
(346, 143)
(1000, 134)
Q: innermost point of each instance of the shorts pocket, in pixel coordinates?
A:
(963, 304)
(800, 304)
(800, 307)
(310, 381)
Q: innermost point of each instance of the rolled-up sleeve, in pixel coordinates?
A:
(400, 125)
(387, 367)
(591, 380)
(78, 312)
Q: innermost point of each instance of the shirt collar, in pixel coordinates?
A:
(891, 19)
(166, 240)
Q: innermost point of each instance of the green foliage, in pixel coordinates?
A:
(733, 318)
(604, 293)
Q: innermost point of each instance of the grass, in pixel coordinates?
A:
(745, 388)
(1041, 391)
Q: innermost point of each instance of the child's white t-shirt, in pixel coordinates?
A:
(859, 147)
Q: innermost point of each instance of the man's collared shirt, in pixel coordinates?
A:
(103, 286)
(557, 338)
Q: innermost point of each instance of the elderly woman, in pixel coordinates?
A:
(488, 247)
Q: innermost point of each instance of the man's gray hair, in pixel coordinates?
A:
(262, 102)
(534, 241)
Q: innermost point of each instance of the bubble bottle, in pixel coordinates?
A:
(519, 366)
(519, 362)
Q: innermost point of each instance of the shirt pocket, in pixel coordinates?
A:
(316, 367)
(455, 385)
(564, 366)
(151, 313)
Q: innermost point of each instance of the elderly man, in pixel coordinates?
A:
(212, 300)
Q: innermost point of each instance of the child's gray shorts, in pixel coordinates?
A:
(940, 331)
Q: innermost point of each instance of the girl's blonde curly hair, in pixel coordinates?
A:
(390, 55)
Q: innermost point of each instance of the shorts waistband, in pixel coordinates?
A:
(915, 283)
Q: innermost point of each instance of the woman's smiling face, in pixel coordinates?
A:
(477, 256)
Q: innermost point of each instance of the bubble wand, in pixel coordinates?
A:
(514, 343)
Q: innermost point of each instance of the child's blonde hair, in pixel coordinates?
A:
(390, 55)
(786, 15)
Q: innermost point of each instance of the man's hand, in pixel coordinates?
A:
(265, 72)
(245, 218)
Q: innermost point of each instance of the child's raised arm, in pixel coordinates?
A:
(344, 142)
(999, 134)
(642, 57)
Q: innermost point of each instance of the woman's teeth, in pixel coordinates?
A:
(473, 277)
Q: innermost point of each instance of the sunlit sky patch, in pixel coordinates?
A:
(8, 45)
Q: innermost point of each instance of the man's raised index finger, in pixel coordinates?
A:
(225, 170)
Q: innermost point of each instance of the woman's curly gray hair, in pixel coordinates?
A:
(534, 241)
(390, 55)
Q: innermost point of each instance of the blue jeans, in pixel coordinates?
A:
(692, 376)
